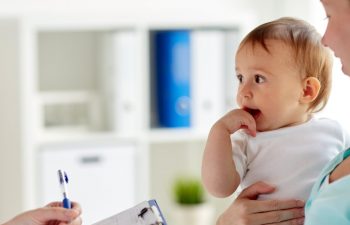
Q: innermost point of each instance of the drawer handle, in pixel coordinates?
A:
(90, 159)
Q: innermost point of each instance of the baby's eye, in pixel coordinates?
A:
(240, 78)
(259, 78)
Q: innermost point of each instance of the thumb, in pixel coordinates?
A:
(253, 191)
(249, 131)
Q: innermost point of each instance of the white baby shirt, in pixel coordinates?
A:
(289, 158)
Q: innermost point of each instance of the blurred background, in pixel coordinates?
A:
(121, 95)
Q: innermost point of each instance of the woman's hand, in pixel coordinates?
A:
(52, 214)
(246, 210)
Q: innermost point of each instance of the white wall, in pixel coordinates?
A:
(9, 118)
(132, 7)
(265, 10)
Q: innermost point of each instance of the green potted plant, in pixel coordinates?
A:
(188, 191)
(191, 207)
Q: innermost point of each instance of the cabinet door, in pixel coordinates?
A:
(101, 177)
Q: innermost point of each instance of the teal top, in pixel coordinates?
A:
(329, 204)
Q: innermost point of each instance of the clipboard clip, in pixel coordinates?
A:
(154, 210)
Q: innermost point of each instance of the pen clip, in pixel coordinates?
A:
(63, 180)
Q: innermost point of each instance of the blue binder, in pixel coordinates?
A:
(172, 73)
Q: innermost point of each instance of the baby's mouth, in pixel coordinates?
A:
(254, 112)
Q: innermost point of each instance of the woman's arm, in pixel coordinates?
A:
(52, 214)
(343, 169)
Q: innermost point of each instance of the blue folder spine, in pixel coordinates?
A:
(172, 68)
(153, 202)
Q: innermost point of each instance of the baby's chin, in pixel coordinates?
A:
(264, 125)
(272, 126)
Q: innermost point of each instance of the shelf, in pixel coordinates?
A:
(154, 136)
(161, 135)
(83, 136)
(55, 97)
(90, 82)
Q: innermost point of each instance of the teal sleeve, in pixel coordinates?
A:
(331, 206)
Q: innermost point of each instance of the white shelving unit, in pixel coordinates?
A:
(54, 72)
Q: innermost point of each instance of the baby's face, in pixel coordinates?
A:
(270, 85)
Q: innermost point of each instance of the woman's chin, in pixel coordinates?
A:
(345, 67)
(346, 71)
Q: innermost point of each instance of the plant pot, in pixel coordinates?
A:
(201, 214)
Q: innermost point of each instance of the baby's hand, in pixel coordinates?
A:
(238, 119)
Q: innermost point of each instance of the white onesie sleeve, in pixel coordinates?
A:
(346, 137)
(338, 127)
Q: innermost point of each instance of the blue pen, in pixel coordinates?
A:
(63, 179)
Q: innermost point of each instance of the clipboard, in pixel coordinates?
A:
(144, 213)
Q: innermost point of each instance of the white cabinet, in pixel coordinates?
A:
(82, 100)
(102, 176)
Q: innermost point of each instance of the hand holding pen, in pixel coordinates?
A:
(63, 179)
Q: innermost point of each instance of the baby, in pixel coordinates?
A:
(284, 75)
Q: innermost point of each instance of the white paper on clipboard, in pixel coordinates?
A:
(144, 213)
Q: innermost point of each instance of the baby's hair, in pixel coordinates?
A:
(313, 59)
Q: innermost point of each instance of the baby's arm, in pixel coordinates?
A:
(219, 173)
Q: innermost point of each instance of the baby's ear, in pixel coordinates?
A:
(311, 88)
